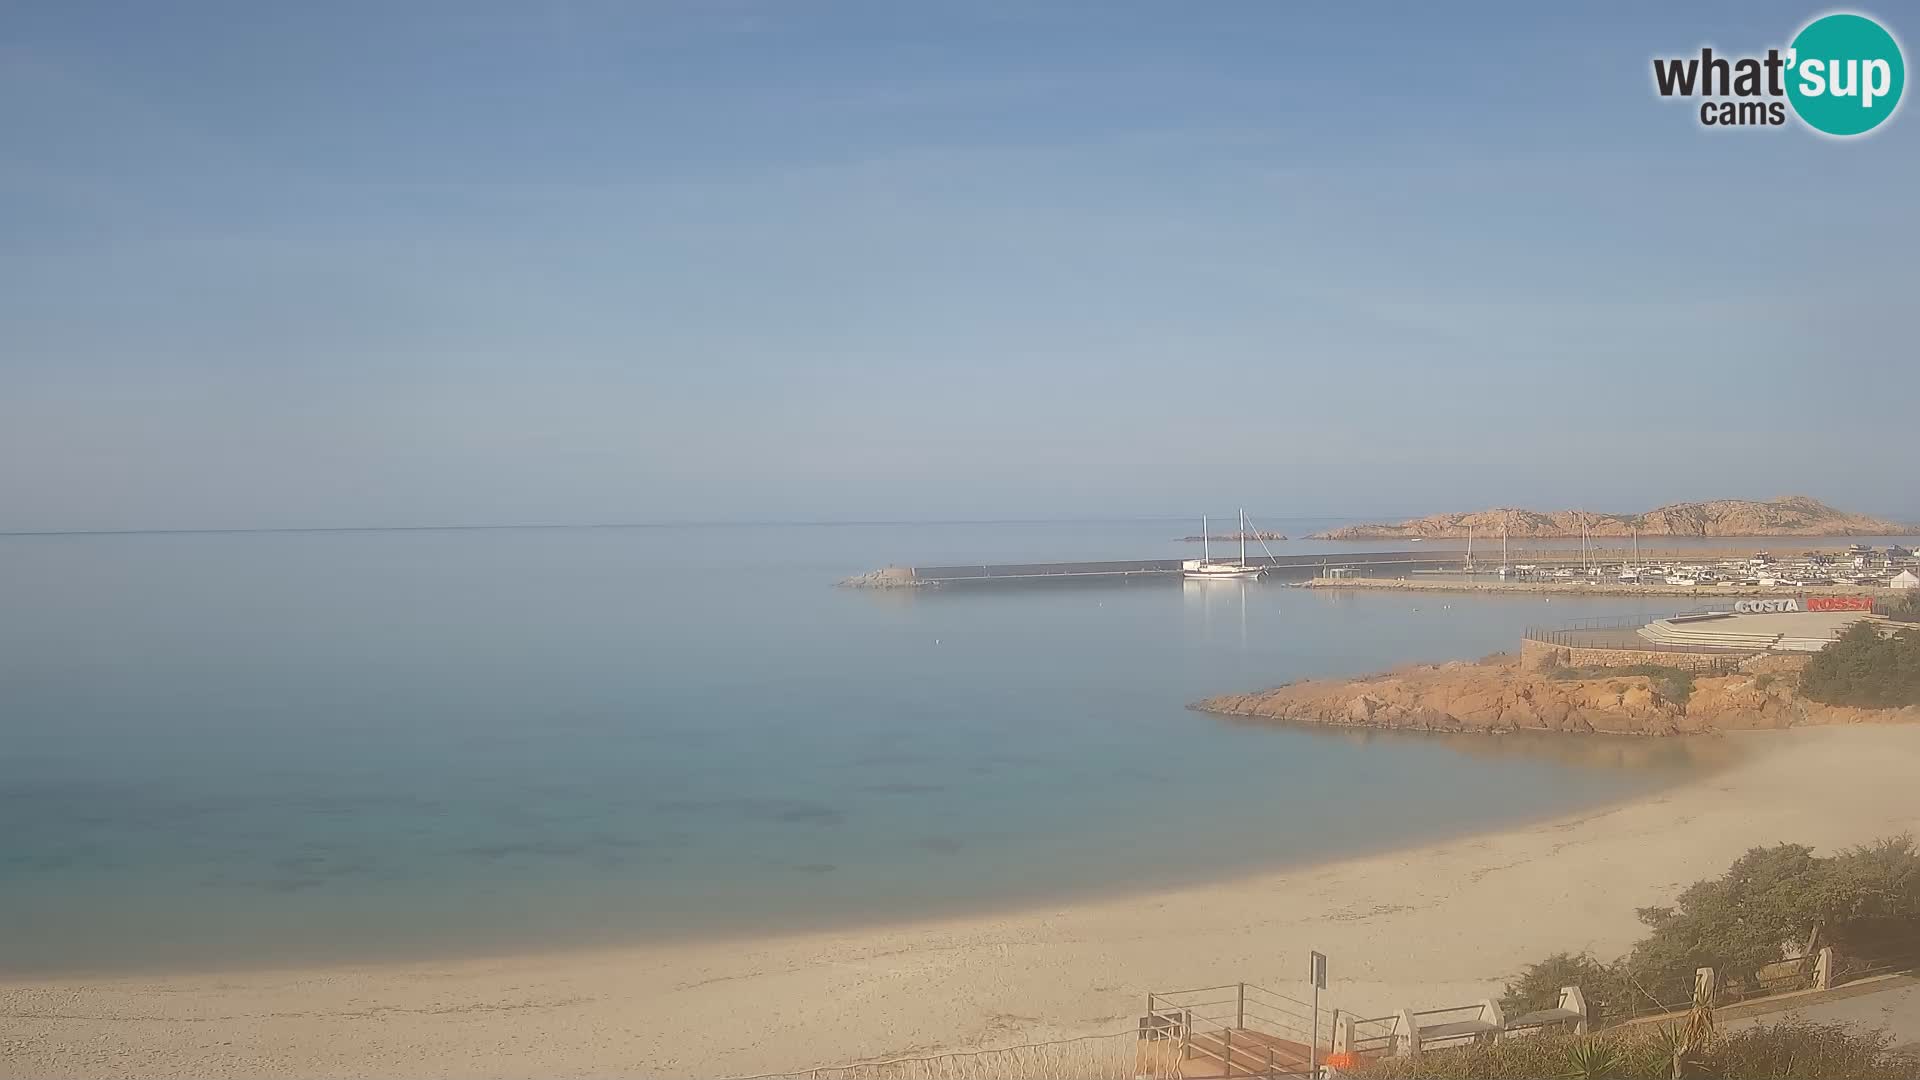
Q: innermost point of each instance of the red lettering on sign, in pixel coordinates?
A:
(1839, 603)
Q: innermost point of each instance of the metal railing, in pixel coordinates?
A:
(1376, 1035)
(1704, 657)
(1630, 622)
(1249, 1029)
(1118, 1056)
(1889, 959)
(1784, 977)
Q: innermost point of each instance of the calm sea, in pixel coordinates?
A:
(237, 749)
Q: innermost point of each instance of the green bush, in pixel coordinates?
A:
(1866, 668)
(1788, 1051)
(1538, 987)
(1863, 901)
(1906, 608)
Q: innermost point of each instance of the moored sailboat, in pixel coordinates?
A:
(1206, 569)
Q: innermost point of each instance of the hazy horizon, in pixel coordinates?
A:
(487, 263)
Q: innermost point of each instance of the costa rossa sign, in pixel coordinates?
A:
(1839, 603)
(1813, 603)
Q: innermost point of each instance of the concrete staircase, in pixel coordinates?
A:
(1804, 632)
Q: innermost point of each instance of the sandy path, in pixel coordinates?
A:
(1434, 925)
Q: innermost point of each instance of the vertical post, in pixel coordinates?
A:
(1186, 1034)
(1317, 975)
(1574, 1000)
(1271, 1074)
(1240, 1008)
(1408, 1042)
(1343, 1034)
(1823, 969)
(1226, 1052)
(1492, 1013)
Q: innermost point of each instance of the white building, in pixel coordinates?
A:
(1906, 579)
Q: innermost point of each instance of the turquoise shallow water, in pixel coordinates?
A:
(236, 749)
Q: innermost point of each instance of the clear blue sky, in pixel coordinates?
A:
(369, 263)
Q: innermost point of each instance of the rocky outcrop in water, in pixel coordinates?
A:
(1496, 695)
(890, 577)
(1226, 538)
(1795, 515)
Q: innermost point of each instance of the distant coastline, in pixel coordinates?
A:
(1794, 515)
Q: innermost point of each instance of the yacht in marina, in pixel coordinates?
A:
(1206, 568)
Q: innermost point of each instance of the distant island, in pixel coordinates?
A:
(1225, 538)
(1794, 515)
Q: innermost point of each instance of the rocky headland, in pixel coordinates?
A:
(1496, 695)
(1794, 515)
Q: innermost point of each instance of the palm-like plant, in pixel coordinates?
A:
(1591, 1059)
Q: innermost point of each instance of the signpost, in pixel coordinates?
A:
(1813, 603)
(1317, 975)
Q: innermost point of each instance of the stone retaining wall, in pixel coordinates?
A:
(1533, 654)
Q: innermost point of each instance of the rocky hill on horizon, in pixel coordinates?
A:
(1793, 515)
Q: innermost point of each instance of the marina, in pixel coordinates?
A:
(1440, 568)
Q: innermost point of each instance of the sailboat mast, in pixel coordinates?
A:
(1206, 546)
(1243, 536)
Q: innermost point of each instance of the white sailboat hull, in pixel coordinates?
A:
(1221, 572)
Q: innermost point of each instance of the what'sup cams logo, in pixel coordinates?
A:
(1842, 76)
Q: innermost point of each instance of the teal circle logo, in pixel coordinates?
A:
(1845, 74)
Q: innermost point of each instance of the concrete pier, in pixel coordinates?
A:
(1300, 566)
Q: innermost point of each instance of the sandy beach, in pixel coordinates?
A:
(1433, 925)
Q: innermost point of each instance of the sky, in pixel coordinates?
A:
(282, 265)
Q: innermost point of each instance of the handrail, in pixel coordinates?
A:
(1200, 989)
(856, 1065)
(1475, 1007)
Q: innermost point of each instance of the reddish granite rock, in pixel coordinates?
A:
(1497, 695)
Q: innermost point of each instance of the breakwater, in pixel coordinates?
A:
(1285, 565)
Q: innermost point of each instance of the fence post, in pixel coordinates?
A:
(1240, 1009)
(1186, 1034)
(1574, 1000)
(1823, 969)
(1343, 1033)
(1408, 1044)
(1491, 1012)
(1226, 1051)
